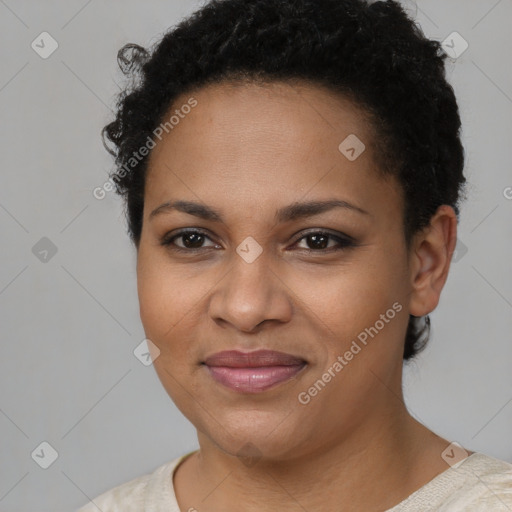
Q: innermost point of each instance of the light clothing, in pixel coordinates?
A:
(478, 483)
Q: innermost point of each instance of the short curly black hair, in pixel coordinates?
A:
(370, 52)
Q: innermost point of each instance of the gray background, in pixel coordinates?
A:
(68, 375)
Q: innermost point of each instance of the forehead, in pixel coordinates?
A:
(286, 115)
(259, 140)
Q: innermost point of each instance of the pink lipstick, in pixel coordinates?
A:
(253, 372)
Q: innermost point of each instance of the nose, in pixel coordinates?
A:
(250, 295)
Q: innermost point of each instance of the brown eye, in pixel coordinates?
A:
(319, 241)
(190, 240)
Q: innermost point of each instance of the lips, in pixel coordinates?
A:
(253, 372)
(258, 359)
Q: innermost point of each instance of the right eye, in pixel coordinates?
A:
(191, 240)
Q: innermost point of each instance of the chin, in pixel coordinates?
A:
(253, 434)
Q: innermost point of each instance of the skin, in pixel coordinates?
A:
(247, 151)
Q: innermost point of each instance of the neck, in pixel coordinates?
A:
(374, 467)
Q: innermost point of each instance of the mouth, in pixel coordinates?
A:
(253, 372)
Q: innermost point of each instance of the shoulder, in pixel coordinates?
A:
(130, 496)
(487, 485)
(478, 483)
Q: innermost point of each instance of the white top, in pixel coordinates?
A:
(478, 483)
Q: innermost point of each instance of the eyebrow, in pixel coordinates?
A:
(288, 213)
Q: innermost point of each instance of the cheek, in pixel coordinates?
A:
(162, 293)
(169, 322)
(157, 308)
(162, 302)
(351, 304)
(165, 312)
(172, 306)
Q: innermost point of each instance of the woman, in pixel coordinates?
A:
(292, 171)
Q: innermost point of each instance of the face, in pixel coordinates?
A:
(290, 245)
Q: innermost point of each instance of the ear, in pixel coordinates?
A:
(430, 257)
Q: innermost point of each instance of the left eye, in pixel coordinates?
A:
(320, 241)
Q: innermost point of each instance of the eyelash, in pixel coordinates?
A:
(345, 242)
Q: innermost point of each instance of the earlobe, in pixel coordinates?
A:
(431, 255)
